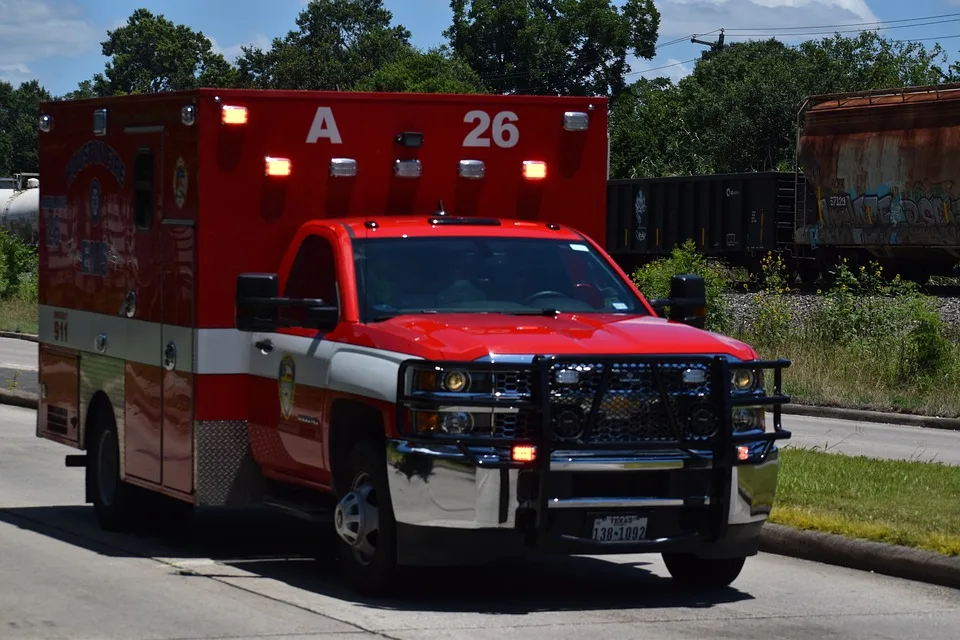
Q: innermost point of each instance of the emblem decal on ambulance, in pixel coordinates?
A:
(180, 182)
(287, 383)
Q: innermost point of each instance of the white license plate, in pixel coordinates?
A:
(619, 528)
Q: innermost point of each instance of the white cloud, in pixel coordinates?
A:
(760, 19)
(684, 17)
(32, 30)
(232, 52)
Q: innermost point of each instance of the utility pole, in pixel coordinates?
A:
(714, 46)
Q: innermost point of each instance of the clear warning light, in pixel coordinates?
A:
(233, 115)
(278, 166)
(534, 170)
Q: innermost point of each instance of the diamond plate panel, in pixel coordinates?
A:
(226, 474)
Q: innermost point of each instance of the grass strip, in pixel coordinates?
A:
(902, 502)
(19, 315)
(859, 376)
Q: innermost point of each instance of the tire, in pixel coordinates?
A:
(114, 501)
(703, 573)
(370, 565)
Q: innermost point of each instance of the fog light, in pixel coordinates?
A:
(457, 422)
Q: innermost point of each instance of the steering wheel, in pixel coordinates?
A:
(544, 294)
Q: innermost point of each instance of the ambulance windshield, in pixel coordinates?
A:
(399, 276)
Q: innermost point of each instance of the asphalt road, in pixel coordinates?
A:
(260, 576)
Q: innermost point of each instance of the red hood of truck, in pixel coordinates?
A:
(472, 336)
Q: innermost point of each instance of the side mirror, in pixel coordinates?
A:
(258, 306)
(255, 306)
(687, 301)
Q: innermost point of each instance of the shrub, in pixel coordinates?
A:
(18, 267)
(774, 319)
(653, 279)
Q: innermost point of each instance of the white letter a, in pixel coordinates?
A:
(324, 126)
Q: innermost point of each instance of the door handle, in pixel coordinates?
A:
(265, 346)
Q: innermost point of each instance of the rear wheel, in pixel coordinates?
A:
(364, 522)
(114, 501)
(703, 573)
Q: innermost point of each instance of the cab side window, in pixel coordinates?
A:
(314, 272)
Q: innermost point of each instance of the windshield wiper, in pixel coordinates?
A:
(534, 312)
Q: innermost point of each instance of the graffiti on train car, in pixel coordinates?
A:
(913, 205)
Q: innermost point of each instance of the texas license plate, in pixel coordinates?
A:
(619, 528)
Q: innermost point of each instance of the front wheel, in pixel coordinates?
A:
(710, 573)
(365, 524)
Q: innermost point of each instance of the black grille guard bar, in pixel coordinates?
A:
(723, 447)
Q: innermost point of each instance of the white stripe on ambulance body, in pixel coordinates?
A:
(320, 363)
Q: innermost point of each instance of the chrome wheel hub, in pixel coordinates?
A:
(357, 518)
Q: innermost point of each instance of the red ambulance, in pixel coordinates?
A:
(391, 312)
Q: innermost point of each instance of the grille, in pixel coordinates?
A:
(503, 425)
(513, 383)
(57, 420)
(631, 408)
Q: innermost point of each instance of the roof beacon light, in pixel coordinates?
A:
(472, 169)
(230, 114)
(343, 167)
(407, 168)
(576, 121)
(278, 167)
(534, 170)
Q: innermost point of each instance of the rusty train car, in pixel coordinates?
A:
(877, 178)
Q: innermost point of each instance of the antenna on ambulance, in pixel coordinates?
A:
(440, 211)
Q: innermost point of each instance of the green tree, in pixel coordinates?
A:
(19, 110)
(433, 71)
(337, 44)
(548, 47)
(737, 111)
(650, 135)
(151, 54)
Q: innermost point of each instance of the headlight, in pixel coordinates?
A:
(747, 380)
(456, 381)
(439, 379)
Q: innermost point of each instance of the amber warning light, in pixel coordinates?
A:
(534, 170)
(524, 453)
(278, 166)
(233, 115)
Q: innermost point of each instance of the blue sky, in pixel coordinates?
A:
(57, 41)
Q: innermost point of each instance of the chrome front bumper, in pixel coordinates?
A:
(439, 486)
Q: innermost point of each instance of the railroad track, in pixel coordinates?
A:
(938, 291)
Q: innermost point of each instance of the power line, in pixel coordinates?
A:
(835, 31)
(849, 24)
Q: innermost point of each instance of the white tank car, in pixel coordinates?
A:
(20, 207)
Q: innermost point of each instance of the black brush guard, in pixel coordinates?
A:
(722, 445)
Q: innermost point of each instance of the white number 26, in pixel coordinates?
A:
(503, 132)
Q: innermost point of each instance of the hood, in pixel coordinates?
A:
(473, 336)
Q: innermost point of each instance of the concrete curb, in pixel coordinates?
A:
(881, 417)
(16, 398)
(863, 555)
(29, 337)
